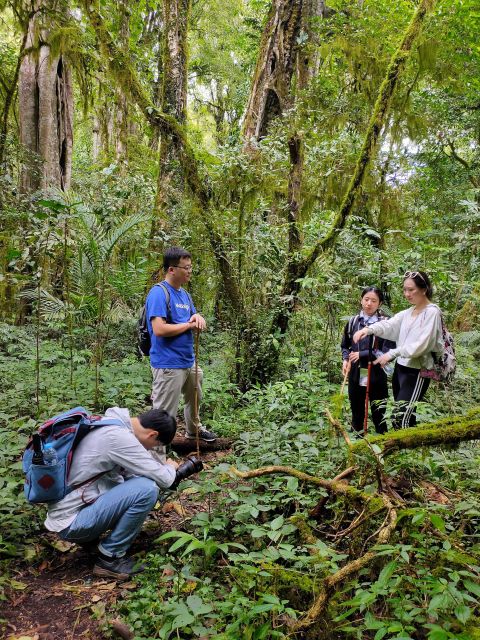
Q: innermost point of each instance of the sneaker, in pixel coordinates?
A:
(119, 568)
(203, 434)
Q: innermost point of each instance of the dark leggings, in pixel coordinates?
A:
(378, 394)
(408, 389)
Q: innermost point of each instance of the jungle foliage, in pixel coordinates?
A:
(366, 163)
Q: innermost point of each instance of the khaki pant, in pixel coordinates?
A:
(167, 387)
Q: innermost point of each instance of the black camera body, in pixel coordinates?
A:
(189, 467)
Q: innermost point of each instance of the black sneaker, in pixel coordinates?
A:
(203, 434)
(119, 568)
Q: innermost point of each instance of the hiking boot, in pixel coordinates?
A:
(203, 434)
(118, 568)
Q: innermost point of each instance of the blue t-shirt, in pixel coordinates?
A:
(175, 352)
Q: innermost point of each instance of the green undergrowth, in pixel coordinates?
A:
(247, 568)
(254, 560)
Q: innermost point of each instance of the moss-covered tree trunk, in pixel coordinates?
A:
(45, 98)
(174, 102)
(271, 93)
(10, 90)
(122, 106)
(298, 267)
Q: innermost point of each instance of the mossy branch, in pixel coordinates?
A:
(445, 431)
(375, 504)
(351, 568)
(375, 125)
(334, 486)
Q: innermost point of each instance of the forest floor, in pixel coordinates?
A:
(58, 598)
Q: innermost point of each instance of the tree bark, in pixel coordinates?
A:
(10, 92)
(271, 92)
(121, 119)
(174, 102)
(45, 114)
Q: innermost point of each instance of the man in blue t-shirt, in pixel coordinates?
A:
(171, 325)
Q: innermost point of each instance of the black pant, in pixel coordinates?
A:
(378, 394)
(408, 389)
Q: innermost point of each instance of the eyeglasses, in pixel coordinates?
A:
(413, 274)
(189, 268)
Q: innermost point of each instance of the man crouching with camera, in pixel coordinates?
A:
(117, 480)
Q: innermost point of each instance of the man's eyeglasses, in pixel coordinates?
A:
(413, 274)
(189, 268)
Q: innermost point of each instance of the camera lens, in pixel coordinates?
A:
(186, 469)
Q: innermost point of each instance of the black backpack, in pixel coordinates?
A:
(144, 341)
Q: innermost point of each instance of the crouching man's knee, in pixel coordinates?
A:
(146, 489)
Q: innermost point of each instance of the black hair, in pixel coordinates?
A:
(160, 421)
(173, 255)
(421, 280)
(378, 292)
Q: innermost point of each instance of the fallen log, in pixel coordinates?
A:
(183, 445)
(445, 431)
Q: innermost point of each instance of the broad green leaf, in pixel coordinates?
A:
(277, 523)
(472, 587)
(463, 613)
(437, 522)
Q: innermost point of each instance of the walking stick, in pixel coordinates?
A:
(345, 377)
(195, 392)
(367, 391)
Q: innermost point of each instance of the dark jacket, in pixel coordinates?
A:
(367, 346)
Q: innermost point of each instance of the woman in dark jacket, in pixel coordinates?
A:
(356, 358)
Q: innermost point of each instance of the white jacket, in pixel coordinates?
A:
(112, 449)
(416, 337)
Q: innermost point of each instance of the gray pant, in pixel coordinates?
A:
(169, 384)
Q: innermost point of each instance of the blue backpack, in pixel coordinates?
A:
(63, 433)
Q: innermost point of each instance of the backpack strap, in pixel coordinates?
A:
(167, 300)
(351, 323)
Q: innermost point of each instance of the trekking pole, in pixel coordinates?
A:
(195, 392)
(345, 377)
(367, 391)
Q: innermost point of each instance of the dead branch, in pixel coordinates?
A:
(334, 486)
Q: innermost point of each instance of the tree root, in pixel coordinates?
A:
(350, 569)
(382, 535)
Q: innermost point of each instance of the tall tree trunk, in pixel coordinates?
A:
(174, 102)
(45, 114)
(121, 103)
(271, 93)
(10, 92)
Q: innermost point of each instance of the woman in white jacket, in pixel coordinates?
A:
(418, 334)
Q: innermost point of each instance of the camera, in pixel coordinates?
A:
(186, 469)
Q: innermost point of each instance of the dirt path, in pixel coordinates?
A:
(58, 598)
